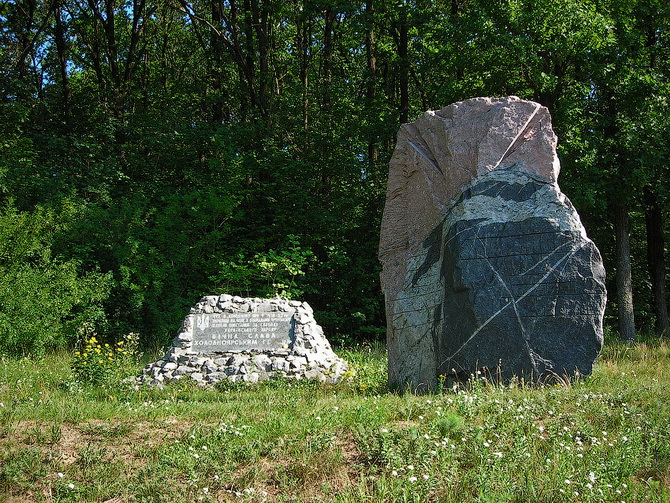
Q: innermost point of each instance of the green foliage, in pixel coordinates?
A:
(99, 363)
(194, 141)
(270, 274)
(367, 371)
(44, 300)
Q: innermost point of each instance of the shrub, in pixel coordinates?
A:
(104, 363)
(43, 298)
(267, 274)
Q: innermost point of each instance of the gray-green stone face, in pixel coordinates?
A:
(242, 331)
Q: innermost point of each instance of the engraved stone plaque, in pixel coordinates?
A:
(242, 331)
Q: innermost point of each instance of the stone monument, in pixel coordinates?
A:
(487, 269)
(247, 339)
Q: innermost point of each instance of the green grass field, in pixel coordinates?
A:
(601, 440)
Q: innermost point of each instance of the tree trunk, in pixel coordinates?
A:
(26, 13)
(329, 18)
(61, 50)
(263, 34)
(404, 67)
(302, 23)
(654, 226)
(215, 70)
(329, 23)
(250, 53)
(656, 261)
(373, 148)
(624, 279)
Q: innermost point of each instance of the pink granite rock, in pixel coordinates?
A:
(444, 150)
(441, 175)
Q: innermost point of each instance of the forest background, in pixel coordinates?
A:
(154, 151)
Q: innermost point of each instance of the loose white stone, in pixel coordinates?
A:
(183, 370)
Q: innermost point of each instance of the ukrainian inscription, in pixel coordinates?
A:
(241, 331)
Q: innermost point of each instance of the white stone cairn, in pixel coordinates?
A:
(304, 354)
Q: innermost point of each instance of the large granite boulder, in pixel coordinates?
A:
(486, 265)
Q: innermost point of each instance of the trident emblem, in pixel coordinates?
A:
(202, 322)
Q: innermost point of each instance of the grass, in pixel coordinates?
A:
(604, 439)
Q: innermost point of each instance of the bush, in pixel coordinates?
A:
(104, 363)
(43, 299)
(274, 273)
